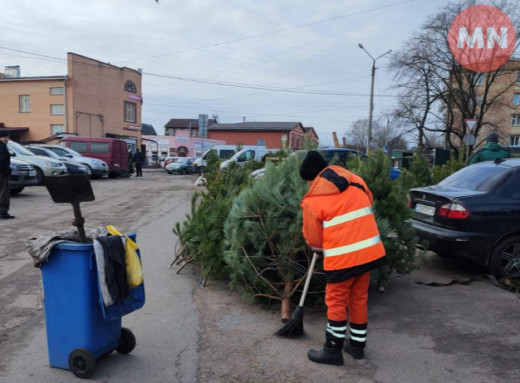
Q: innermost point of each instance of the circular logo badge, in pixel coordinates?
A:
(482, 38)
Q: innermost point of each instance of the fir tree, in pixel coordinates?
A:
(265, 249)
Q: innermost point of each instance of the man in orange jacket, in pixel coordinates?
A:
(338, 220)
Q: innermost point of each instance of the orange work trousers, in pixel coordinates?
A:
(351, 295)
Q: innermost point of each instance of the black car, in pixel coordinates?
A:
(474, 214)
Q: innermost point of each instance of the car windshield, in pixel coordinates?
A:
(59, 151)
(19, 149)
(478, 178)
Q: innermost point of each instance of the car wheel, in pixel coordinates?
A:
(15, 191)
(40, 177)
(91, 174)
(505, 258)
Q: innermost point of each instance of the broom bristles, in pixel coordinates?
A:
(294, 326)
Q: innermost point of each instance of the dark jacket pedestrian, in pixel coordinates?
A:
(5, 173)
(491, 151)
(138, 162)
(339, 221)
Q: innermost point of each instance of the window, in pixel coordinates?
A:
(260, 142)
(479, 79)
(129, 111)
(99, 147)
(515, 119)
(224, 154)
(130, 87)
(25, 106)
(57, 109)
(516, 99)
(55, 91)
(80, 147)
(514, 141)
(57, 128)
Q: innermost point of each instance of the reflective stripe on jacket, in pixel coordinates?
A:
(338, 219)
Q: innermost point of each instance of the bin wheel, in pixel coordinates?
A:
(82, 363)
(127, 341)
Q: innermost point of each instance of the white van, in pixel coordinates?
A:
(256, 153)
(223, 151)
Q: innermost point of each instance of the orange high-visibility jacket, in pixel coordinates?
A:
(338, 219)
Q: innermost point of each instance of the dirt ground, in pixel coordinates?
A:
(417, 333)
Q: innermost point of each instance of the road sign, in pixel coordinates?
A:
(203, 125)
(470, 123)
(469, 139)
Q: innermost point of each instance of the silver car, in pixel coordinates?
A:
(98, 168)
(22, 174)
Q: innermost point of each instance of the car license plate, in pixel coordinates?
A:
(32, 173)
(424, 209)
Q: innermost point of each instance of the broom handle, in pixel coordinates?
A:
(308, 280)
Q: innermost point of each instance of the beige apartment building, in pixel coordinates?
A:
(94, 99)
(503, 117)
(506, 117)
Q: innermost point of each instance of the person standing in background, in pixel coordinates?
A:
(5, 173)
(491, 151)
(138, 162)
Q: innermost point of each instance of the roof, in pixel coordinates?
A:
(256, 126)
(148, 130)
(42, 78)
(186, 123)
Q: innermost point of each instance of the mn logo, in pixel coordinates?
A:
(482, 38)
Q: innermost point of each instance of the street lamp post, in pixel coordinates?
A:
(369, 134)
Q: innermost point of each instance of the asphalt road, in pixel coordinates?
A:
(189, 333)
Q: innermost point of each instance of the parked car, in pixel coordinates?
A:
(168, 160)
(182, 165)
(98, 168)
(341, 155)
(246, 155)
(73, 167)
(223, 152)
(111, 150)
(22, 174)
(44, 166)
(473, 214)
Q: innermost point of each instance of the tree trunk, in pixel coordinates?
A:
(286, 302)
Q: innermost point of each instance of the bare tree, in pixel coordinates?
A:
(389, 134)
(437, 93)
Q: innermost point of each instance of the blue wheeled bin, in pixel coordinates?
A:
(80, 328)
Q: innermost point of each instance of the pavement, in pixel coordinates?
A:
(188, 333)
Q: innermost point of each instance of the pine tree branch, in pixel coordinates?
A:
(256, 271)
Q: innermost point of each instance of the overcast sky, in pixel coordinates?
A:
(289, 60)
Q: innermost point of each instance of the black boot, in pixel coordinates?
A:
(331, 352)
(355, 352)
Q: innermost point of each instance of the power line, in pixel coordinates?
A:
(213, 82)
(275, 31)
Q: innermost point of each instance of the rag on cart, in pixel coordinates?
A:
(40, 247)
(111, 265)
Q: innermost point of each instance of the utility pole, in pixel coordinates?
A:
(370, 112)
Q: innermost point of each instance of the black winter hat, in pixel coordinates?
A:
(312, 165)
(4, 133)
(492, 137)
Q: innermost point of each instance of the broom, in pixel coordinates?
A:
(294, 326)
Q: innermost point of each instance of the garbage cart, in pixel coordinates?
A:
(80, 328)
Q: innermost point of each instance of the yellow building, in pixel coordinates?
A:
(94, 99)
